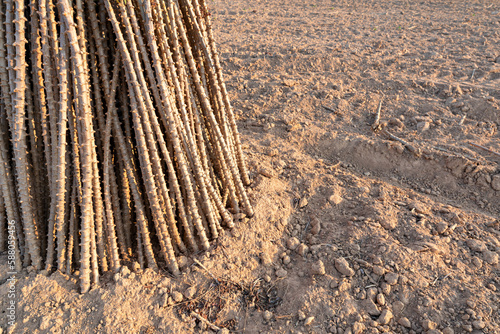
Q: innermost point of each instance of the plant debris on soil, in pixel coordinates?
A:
(355, 231)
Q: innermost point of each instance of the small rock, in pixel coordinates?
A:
(495, 182)
(303, 202)
(292, 243)
(427, 302)
(419, 208)
(136, 266)
(398, 307)
(378, 270)
(372, 293)
(471, 303)
(294, 127)
(491, 257)
(177, 296)
(397, 123)
(302, 249)
(477, 262)
(389, 224)
(190, 292)
(308, 321)
(385, 288)
(265, 259)
(423, 126)
(343, 267)
(434, 331)
(272, 152)
(335, 199)
(385, 317)
(45, 323)
(428, 324)
(286, 259)
(301, 315)
(381, 299)
(125, 271)
(223, 331)
(478, 324)
(358, 328)
(315, 227)
(239, 216)
(449, 101)
(267, 172)
(280, 273)
(391, 278)
(476, 245)
(370, 307)
(268, 315)
(441, 227)
(182, 261)
(318, 268)
(404, 322)
(163, 302)
(448, 330)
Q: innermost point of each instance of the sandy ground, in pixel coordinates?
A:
(363, 224)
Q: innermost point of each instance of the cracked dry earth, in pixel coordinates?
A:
(356, 231)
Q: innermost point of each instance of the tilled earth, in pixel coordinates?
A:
(372, 133)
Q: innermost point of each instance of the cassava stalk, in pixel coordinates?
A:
(117, 140)
(19, 137)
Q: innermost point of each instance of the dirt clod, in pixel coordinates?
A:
(448, 330)
(428, 324)
(358, 328)
(177, 296)
(385, 317)
(391, 278)
(302, 250)
(182, 261)
(292, 243)
(477, 245)
(308, 321)
(378, 270)
(281, 273)
(403, 321)
(318, 268)
(315, 227)
(478, 324)
(343, 267)
(370, 307)
(381, 299)
(190, 292)
(495, 182)
(491, 257)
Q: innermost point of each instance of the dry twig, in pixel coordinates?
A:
(485, 149)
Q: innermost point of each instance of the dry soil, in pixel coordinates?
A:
(364, 223)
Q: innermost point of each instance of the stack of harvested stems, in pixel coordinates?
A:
(118, 140)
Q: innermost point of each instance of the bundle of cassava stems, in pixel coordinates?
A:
(118, 140)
